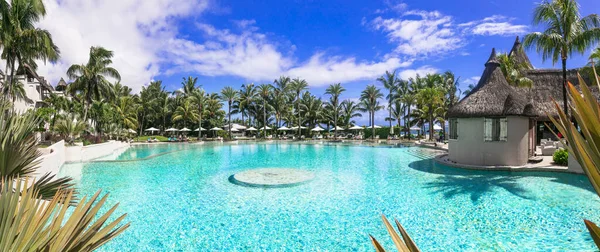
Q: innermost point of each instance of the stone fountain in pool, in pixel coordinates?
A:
(272, 177)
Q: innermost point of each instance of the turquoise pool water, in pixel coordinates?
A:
(183, 201)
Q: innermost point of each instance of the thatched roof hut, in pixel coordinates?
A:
(492, 96)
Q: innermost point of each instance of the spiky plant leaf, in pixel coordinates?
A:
(404, 244)
(28, 223)
(585, 143)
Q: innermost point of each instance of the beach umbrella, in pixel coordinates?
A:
(234, 129)
(415, 128)
(317, 129)
(131, 131)
(377, 127)
(216, 129)
(185, 130)
(337, 128)
(171, 130)
(437, 127)
(265, 128)
(200, 129)
(251, 129)
(152, 129)
(284, 128)
(355, 128)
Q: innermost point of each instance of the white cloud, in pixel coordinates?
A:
(320, 70)
(136, 30)
(497, 25)
(421, 71)
(421, 34)
(253, 56)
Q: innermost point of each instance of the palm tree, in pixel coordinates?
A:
(147, 101)
(198, 98)
(185, 112)
(70, 127)
(229, 95)
(90, 78)
(513, 71)
(595, 55)
(350, 109)
(566, 32)
(188, 86)
(247, 98)
(313, 109)
(23, 43)
(390, 81)
(431, 99)
(369, 98)
(298, 85)
(264, 91)
(126, 111)
(335, 90)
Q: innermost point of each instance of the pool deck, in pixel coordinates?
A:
(546, 165)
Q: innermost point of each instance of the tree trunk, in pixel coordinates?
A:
(564, 88)
(408, 125)
(390, 108)
(373, 124)
(298, 108)
(199, 123)
(229, 115)
(264, 119)
(430, 125)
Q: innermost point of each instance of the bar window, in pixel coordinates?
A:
(495, 129)
(453, 128)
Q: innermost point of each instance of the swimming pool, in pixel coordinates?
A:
(183, 201)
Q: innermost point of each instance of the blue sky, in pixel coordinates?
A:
(224, 42)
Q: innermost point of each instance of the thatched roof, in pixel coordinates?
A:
(62, 85)
(519, 54)
(492, 96)
(547, 86)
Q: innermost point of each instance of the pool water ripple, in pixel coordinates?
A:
(183, 201)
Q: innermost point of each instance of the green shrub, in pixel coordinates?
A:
(561, 157)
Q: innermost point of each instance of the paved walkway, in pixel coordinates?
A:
(545, 165)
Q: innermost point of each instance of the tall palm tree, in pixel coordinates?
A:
(431, 99)
(370, 97)
(188, 85)
(335, 90)
(247, 98)
(298, 85)
(390, 81)
(264, 91)
(566, 32)
(125, 110)
(198, 98)
(468, 90)
(185, 112)
(229, 95)
(595, 55)
(313, 112)
(90, 78)
(22, 42)
(147, 101)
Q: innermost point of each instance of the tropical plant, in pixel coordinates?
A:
(126, 112)
(390, 81)
(185, 112)
(561, 157)
(583, 143)
(298, 85)
(188, 86)
(350, 109)
(90, 78)
(335, 90)
(245, 101)
(431, 99)
(229, 95)
(264, 91)
(198, 98)
(369, 99)
(19, 154)
(566, 32)
(70, 127)
(22, 42)
(513, 71)
(404, 244)
(470, 87)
